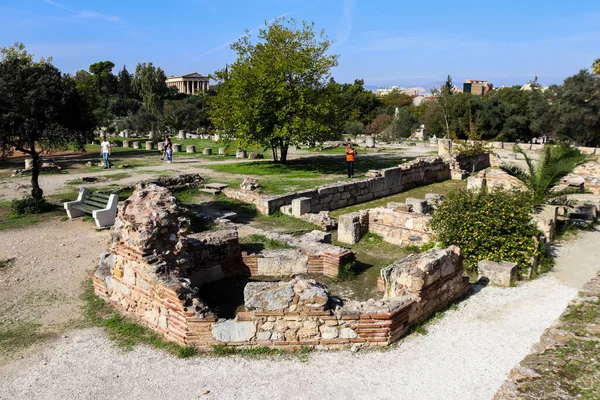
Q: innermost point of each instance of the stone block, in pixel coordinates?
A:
(328, 332)
(444, 147)
(349, 228)
(475, 183)
(176, 148)
(136, 145)
(207, 151)
(419, 206)
(268, 296)
(241, 154)
(222, 151)
(348, 333)
(232, 331)
(503, 273)
(301, 206)
(149, 146)
(181, 134)
(284, 262)
(190, 149)
(126, 143)
(263, 336)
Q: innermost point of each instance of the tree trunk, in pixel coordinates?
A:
(36, 191)
(274, 150)
(283, 151)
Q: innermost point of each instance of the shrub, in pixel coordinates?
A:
(347, 271)
(29, 205)
(488, 225)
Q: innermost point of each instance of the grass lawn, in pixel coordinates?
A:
(305, 173)
(442, 188)
(11, 221)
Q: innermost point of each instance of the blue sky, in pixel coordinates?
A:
(384, 42)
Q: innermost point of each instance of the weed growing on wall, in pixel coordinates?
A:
(488, 225)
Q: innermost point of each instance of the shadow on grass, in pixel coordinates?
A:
(310, 166)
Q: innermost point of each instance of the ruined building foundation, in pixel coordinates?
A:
(154, 272)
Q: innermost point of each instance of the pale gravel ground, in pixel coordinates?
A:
(466, 355)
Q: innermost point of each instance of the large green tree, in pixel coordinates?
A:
(150, 83)
(575, 109)
(275, 94)
(40, 109)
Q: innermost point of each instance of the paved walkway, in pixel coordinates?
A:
(466, 355)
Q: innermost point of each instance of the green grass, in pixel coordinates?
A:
(264, 242)
(301, 174)
(347, 272)
(261, 352)
(19, 336)
(9, 220)
(442, 188)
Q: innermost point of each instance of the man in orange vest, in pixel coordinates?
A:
(350, 154)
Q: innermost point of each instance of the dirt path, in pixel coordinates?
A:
(53, 184)
(465, 355)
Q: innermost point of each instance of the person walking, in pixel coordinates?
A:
(167, 141)
(350, 155)
(169, 153)
(105, 148)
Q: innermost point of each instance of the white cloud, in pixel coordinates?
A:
(344, 28)
(251, 31)
(85, 14)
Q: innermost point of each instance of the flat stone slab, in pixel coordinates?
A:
(218, 186)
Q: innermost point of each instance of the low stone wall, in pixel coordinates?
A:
(399, 227)
(288, 262)
(397, 223)
(420, 172)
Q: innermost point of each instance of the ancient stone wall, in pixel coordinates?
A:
(398, 223)
(148, 275)
(420, 172)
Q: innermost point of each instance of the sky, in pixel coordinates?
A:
(385, 43)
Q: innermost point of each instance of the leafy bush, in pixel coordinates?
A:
(29, 205)
(347, 271)
(488, 225)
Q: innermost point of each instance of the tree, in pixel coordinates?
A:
(402, 126)
(125, 85)
(378, 125)
(353, 128)
(150, 84)
(596, 67)
(575, 109)
(397, 99)
(40, 109)
(541, 177)
(355, 103)
(275, 93)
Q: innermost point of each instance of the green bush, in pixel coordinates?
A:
(347, 271)
(488, 225)
(29, 205)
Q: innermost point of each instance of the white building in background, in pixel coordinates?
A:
(190, 83)
(412, 91)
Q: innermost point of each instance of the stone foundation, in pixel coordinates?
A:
(396, 223)
(420, 172)
(154, 273)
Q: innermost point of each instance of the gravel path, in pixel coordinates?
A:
(465, 355)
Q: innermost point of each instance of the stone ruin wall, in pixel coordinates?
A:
(149, 239)
(399, 223)
(420, 172)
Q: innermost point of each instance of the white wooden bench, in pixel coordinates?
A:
(103, 207)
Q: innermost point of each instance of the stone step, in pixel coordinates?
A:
(211, 191)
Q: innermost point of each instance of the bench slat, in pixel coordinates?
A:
(102, 195)
(98, 199)
(85, 208)
(96, 204)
